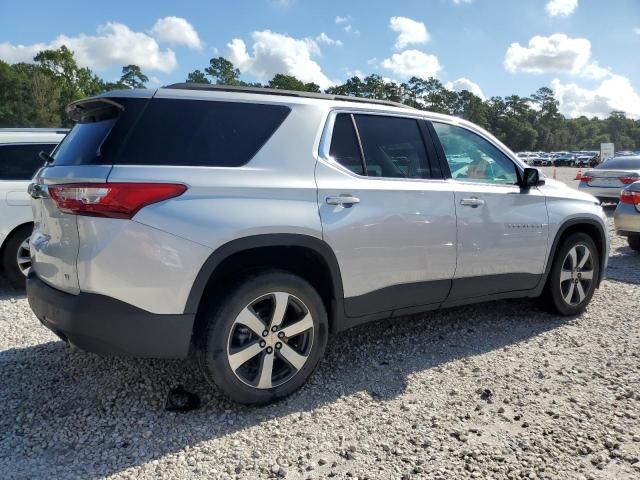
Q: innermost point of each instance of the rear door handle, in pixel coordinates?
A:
(344, 200)
(473, 202)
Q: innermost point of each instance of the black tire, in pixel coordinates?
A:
(10, 269)
(634, 242)
(219, 319)
(552, 295)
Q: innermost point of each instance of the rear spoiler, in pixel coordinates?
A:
(93, 109)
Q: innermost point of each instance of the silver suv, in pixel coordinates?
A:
(244, 226)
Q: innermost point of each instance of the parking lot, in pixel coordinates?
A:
(498, 390)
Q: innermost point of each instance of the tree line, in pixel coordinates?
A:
(36, 94)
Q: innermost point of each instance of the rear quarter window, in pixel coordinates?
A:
(201, 133)
(20, 161)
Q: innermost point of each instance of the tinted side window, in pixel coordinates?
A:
(20, 162)
(472, 158)
(393, 147)
(200, 133)
(344, 144)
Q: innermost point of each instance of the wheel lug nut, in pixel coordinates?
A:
(262, 343)
(265, 333)
(278, 346)
(281, 335)
(269, 350)
(274, 329)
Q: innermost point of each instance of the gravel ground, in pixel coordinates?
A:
(499, 390)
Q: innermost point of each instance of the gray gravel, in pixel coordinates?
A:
(499, 390)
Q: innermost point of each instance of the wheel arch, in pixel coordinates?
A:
(589, 226)
(304, 255)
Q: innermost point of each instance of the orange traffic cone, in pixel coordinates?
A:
(554, 173)
(579, 175)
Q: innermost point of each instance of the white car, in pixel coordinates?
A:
(19, 160)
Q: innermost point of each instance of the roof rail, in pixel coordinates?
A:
(288, 93)
(35, 130)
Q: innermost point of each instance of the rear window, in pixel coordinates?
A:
(173, 132)
(100, 131)
(621, 164)
(20, 161)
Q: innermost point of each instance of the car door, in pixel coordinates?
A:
(386, 212)
(502, 229)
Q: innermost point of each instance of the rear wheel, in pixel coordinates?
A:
(573, 276)
(634, 242)
(16, 258)
(265, 338)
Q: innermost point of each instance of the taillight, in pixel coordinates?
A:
(586, 178)
(632, 198)
(628, 180)
(111, 200)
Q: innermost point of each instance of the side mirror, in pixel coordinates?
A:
(531, 178)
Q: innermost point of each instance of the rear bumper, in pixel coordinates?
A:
(107, 326)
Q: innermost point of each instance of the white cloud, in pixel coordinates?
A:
(409, 31)
(346, 21)
(273, 53)
(614, 93)
(176, 31)
(326, 39)
(555, 53)
(465, 84)
(114, 44)
(458, 2)
(636, 30)
(560, 8)
(412, 63)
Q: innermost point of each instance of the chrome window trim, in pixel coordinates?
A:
(327, 133)
(324, 144)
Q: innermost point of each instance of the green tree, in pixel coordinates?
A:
(289, 82)
(132, 77)
(223, 72)
(73, 82)
(197, 76)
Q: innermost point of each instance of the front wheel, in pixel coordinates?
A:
(573, 276)
(634, 242)
(265, 337)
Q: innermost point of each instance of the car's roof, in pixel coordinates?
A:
(194, 91)
(32, 135)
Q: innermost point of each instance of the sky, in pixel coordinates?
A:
(585, 50)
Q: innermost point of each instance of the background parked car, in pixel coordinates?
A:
(607, 179)
(565, 160)
(627, 215)
(19, 160)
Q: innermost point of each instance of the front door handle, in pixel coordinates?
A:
(344, 200)
(473, 202)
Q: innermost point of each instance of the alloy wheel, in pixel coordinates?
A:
(576, 275)
(23, 257)
(270, 340)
